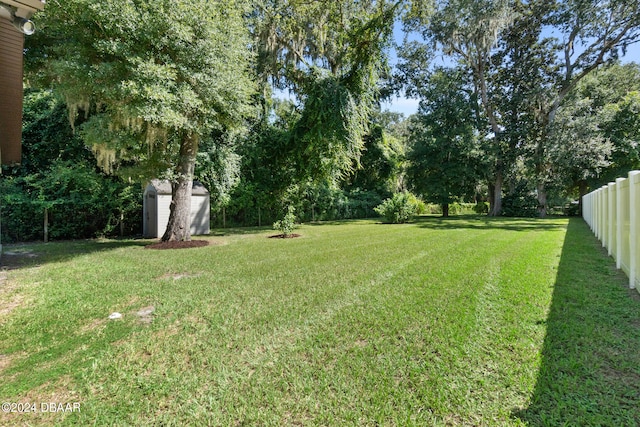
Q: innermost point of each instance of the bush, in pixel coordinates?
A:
(80, 203)
(573, 209)
(520, 204)
(288, 223)
(421, 207)
(398, 209)
(481, 208)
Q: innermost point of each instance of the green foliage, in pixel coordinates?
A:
(218, 168)
(621, 125)
(153, 80)
(287, 224)
(573, 209)
(59, 173)
(523, 60)
(381, 163)
(521, 203)
(454, 208)
(80, 203)
(481, 208)
(420, 205)
(323, 202)
(151, 72)
(398, 209)
(47, 135)
(329, 135)
(445, 157)
(330, 54)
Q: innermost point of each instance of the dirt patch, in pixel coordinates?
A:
(54, 402)
(6, 307)
(178, 245)
(145, 314)
(92, 326)
(177, 276)
(5, 361)
(283, 236)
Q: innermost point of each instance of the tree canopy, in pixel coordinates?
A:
(330, 54)
(445, 154)
(152, 79)
(525, 58)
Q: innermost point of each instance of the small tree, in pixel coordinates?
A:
(286, 224)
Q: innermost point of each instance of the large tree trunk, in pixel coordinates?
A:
(541, 163)
(445, 210)
(179, 226)
(495, 193)
(542, 200)
(583, 187)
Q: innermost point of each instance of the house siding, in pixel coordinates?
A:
(11, 51)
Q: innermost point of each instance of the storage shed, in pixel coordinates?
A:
(157, 199)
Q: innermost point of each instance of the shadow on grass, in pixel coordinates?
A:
(232, 231)
(364, 221)
(21, 255)
(478, 222)
(590, 367)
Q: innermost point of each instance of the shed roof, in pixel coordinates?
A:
(164, 187)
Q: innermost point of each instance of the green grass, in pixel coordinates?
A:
(465, 321)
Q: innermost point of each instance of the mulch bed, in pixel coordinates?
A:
(178, 245)
(282, 236)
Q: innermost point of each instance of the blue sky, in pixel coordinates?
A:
(407, 106)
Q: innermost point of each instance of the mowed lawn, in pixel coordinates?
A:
(465, 321)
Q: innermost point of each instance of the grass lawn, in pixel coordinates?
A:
(465, 321)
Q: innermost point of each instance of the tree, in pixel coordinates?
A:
(621, 125)
(590, 34)
(595, 132)
(501, 38)
(47, 135)
(152, 78)
(467, 31)
(58, 173)
(577, 148)
(380, 163)
(614, 93)
(330, 55)
(445, 156)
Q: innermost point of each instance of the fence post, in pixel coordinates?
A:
(634, 224)
(612, 231)
(596, 207)
(605, 214)
(596, 228)
(619, 224)
(591, 213)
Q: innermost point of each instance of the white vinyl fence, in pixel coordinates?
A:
(613, 213)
